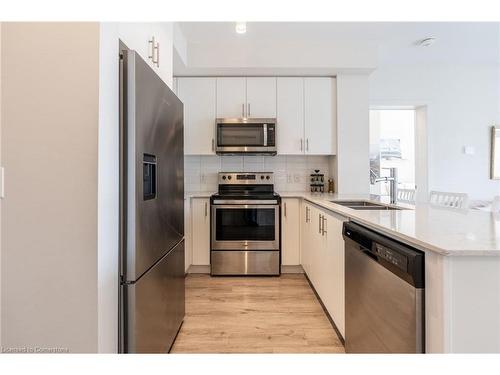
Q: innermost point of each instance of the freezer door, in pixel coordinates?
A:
(152, 170)
(154, 306)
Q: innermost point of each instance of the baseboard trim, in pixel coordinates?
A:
(206, 269)
(292, 269)
(334, 326)
(198, 269)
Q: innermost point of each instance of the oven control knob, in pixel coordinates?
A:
(228, 177)
(261, 177)
(267, 177)
(223, 177)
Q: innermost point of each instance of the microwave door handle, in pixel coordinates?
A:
(265, 135)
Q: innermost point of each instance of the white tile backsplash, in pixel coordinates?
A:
(209, 167)
(275, 163)
(192, 170)
(253, 164)
(231, 163)
(291, 173)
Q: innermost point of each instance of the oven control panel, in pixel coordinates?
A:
(246, 178)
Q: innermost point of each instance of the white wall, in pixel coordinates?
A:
(352, 161)
(135, 36)
(265, 57)
(462, 103)
(49, 213)
(291, 173)
(0, 182)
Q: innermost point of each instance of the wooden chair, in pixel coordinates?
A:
(406, 195)
(447, 199)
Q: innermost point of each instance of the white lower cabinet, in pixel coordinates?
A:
(332, 272)
(322, 257)
(188, 252)
(305, 237)
(200, 231)
(290, 231)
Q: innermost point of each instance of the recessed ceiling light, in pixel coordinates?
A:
(426, 42)
(241, 27)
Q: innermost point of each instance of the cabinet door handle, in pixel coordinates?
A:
(324, 221)
(155, 51)
(157, 55)
(307, 144)
(307, 211)
(320, 221)
(151, 42)
(243, 110)
(206, 209)
(213, 145)
(248, 111)
(284, 207)
(301, 144)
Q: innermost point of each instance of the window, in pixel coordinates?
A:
(392, 145)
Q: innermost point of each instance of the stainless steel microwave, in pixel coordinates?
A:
(254, 136)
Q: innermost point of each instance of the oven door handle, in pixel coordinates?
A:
(252, 202)
(265, 135)
(236, 206)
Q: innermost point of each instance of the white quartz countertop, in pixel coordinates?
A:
(443, 230)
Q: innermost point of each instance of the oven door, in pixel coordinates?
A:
(245, 227)
(235, 137)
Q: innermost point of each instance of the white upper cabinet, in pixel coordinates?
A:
(261, 97)
(320, 115)
(246, 97)
(138, 36)
(305, 108)
(231, 97)
(290, 115)
(198, 96)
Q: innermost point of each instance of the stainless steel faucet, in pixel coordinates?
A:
(393, 179)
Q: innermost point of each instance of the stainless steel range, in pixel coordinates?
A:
(245, 225)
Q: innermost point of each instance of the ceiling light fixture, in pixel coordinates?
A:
(241, 27)
(426, 42)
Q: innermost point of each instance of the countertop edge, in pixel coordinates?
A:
(415, 242)
(351, 215)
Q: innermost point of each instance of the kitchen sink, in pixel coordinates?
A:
(364, 205)
(377, 207)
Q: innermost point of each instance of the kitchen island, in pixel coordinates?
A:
(462, 267)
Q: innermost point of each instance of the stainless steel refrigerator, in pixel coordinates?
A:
(151, 209)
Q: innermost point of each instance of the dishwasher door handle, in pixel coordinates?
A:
(368, 253)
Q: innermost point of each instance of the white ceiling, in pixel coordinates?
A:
(457, 42)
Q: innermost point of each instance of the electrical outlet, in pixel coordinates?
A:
(469, 150)
(289, 178)
(296, 178)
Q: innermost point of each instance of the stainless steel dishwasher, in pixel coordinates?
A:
(384, 294)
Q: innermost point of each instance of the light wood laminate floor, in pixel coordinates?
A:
(254, 315)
